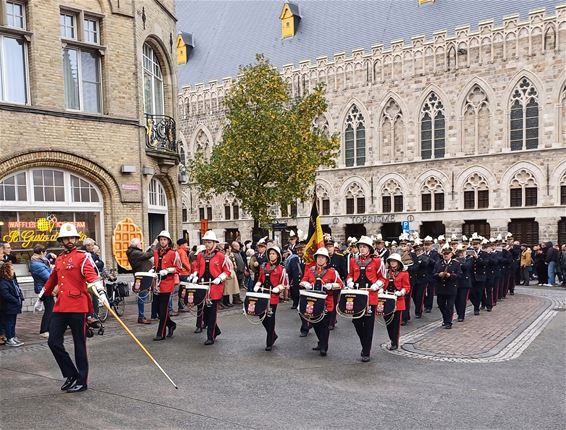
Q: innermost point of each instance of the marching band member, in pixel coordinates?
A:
(408, 258)
(489, 297)
(420, 278)
(200, 308)
(479, 272)
(399, 284)
(465, 281)
(433, 258)
(380, 249)
(166, 262)
(339, 263)
(73, 276)
(273, 279)
(210, 268)
(320, 276)
(446, 273)
(366, 271)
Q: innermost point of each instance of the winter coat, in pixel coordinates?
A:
(139, 260)
(12, 297)
(40, 271)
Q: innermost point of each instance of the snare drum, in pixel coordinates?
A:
(312, 305)
(194, 294)
(256, 304)
(386, 304)
(353, 303)
(144, 282)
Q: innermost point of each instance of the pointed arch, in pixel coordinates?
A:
(393, 190)
(475, 112)
(355, 123)
(432, 126)
(195, 135)
(507, 183)
(558, 180)
(392, 136)
(355, 193)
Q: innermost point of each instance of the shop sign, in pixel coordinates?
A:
(373, 219)
(28, 233)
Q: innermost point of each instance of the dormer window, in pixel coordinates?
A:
(290, 19)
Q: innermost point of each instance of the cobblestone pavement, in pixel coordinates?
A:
(495, 336)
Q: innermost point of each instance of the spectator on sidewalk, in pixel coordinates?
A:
(40, 270)
(551, 259)
(12, 298)
(8, 256)
(526, 262)
(540, 265)
(562, 259)
(141, 261)
(240, 268)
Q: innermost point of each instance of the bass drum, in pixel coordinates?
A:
(353, 303)
(312, 305)
(194, 294)
(256, 304)
(386, 304)
(144, 282)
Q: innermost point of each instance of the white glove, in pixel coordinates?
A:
(374, 287)
(171, 270)
(328, 286)
(102, 299)
(163, 273)
(97, 286)
(41, 293)
(217, 281)
(307, 285)
(399, 293)
(350, 284)
(257, 287)
(275, 290)
(193, 277)
(379, 283)
(380, 291)
(39, 307)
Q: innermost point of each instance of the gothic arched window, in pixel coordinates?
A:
(355, 199)
(354, 138)
(393, 132)
(433, 140)
(476, 192)
(476, 122)
(523, 189)
(432, 195)
(524, 119)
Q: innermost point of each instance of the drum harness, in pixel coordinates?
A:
(266, 286)
(317, 287)
(363, 281)
(388, 318)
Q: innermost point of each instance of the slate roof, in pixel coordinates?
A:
(231, 32)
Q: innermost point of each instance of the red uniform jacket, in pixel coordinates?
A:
(71, 273)
(331, 276)
(374, 272)
(401, 281)
(277, 277)
(169, 259)
(216, 267)
(186, 265)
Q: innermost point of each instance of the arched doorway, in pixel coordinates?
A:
(157, 209)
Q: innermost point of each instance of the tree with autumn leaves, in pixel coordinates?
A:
(270, 150)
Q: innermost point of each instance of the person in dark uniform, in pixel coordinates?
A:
(433, 258)
(420, 276)
(368, 272)
(492, 276)
(479, 273)
(295, 267)
(339, 263)
(323, 278)
(292, 247)
(508, 276)
(73, 277)
(465, 257)
(380, 249)
(399, 284)
(446, 272)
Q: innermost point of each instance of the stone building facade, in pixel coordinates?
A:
(87, 120)
(459, 133)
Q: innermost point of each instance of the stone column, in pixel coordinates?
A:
(498, 226)
(547, 228)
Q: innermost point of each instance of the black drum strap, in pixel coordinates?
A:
(363, 281)
(318, 277)
(207, 277)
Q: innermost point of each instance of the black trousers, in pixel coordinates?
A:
(269, 324)
(393, 323)
(488, 294)
(477, 294)
(333, 315)
(200, 316)
(210, 319)
(418, 295)
(525, 276)
(163, 309)
(446, 305)
(429, 295)
(48, 302)
(364, 329)
(322, 331)
(294, 292)
(461, 301)
(76, 321)
(406, 314)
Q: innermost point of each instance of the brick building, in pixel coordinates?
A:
(87, 119)
(456, 122)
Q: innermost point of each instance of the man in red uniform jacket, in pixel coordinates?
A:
(210, 267)
(329, 280)
(74, 275)
(166, 262)
(368, 272)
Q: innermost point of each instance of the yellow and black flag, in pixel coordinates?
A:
(315, 238)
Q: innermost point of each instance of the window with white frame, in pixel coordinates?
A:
(81, 66)
(13, 54)
(15, 15)
(152, 82)
(157, 196)
(523, 190)
(13, 188)
(392, 197)
(432, 195)
(476, 192)
(355, 199)
(524, 118)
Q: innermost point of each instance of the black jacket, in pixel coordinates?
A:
(479, 267)
(447, 286)
(139, 260)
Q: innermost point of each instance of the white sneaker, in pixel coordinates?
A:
(45, 334)
(13, 342)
